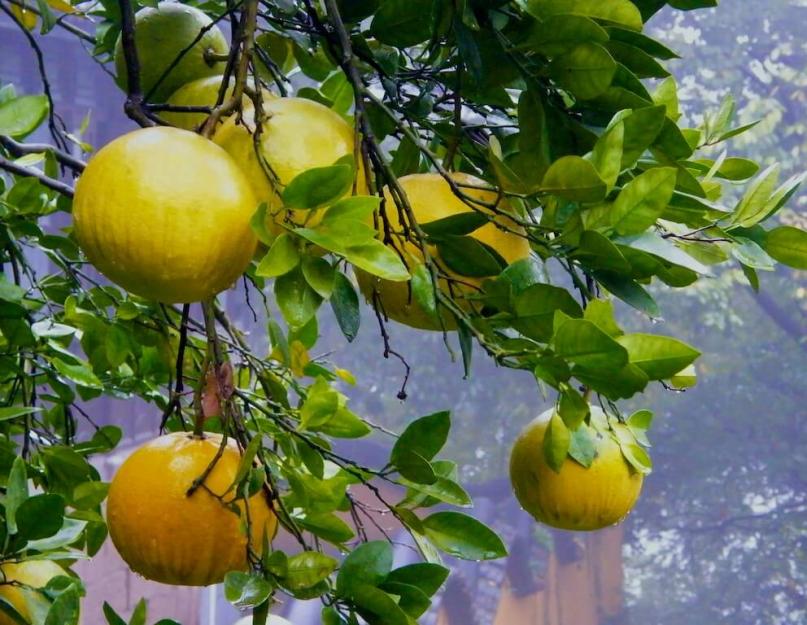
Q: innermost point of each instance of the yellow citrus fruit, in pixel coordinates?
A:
(165, 214)
(162, 33)
(201, 92)
(32, 573)
(297, 134)
(171, 537)
(575, 498)
(432, 198)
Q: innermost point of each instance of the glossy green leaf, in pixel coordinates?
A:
(752, 208)
(622, 12)
(574, 178)
(658, 356)
(345, 305)
(317, 187)
(378, 259)
(788, 245)
(281, 258)
(535, 309)
(642, 200)
(368, 564)
(306, 569)
(40, 516)
(469, 257)
(296, 299)
(581, 446)
(424, 575)
(463, 536)
(246, 590)
(582, 342)
(586, 70)
(560, 33)
(20, 116)
(403, 23)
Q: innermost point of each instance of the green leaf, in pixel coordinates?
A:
(317, 187)
(403, 23)
(345, 306)
(16, 492)
(614, 383)
(281, 258)
(638, 423)
(788, 245)
(440, 489)
(320, 275)
(636, 60)
(572, 408)
(246, 590)
(423, 291)
(377, 607)
(654, 244)
(753, 207)
(686, 378)
(40, 516)
(327, 526)
(581, 446)
(376, 258)
(622, 12)
(629, 291)
(749, 253)
(12, 412)
(598, 252)
(607, 154)
(463, 536)
(411, 600)
(557, 439)
(643, 42)
(559, 33)
(68, 534)
(586, 70)
(642, 127)
(574, 178)
(535, 309)
(601, 313)
(258, 225)
(368, 564)
(469, 257)
(658, 356)
(296, 299)
(642, 200)
(344, 424)
(81, 374)
(424, 575)
(456, 225)
(20, 116)
(65, 608)
(424, 436)
(308, 569)
(583, 343)
(112, 617)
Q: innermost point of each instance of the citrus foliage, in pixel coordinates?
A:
(563, 108)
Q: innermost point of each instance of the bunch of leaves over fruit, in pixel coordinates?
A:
(583, 138)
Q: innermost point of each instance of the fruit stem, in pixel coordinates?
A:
(213, 357)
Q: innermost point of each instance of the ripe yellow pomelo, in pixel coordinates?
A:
(165, 214)
(168, 536)
(432, 198)
(33, 573)
(576, 498)
(201, 92)
(161, 35)
(297, 134)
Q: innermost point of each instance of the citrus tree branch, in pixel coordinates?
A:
(18, 149)
(135, 101)
(29, 172)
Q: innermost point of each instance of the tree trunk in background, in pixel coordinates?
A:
(582, 585)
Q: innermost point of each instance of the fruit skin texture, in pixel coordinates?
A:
(169, 537)
(201, 92)
(160, 35)
(431, 199)
(297, 135)
(576, 498)
(165, 214)
(33, 573)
